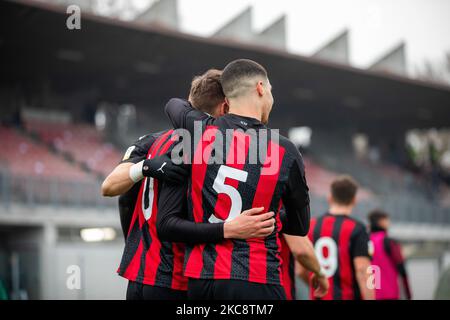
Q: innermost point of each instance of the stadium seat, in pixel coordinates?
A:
(81, 141)
(23, 157)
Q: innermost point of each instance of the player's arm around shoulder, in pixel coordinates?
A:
(183, 115)
(176, 110)
(119, 180)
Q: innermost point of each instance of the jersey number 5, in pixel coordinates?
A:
(220, 187)
(328, 262)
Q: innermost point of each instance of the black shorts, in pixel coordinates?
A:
(139, 291)
(199, 289)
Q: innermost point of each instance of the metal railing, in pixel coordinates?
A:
(55, 192)
(31, 191)
(402, 208)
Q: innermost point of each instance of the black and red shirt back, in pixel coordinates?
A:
(338, 240)
(221, 190)
(146, 259)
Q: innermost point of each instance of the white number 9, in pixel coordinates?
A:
(330, 262)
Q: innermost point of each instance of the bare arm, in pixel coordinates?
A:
(125, 175)
(303, 251)
(301, 272)
(362, 265)
(118, 181)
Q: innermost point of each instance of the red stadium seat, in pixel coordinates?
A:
(81, 141)
(24, 157)
(319, 180)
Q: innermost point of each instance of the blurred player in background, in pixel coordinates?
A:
(388, 257)
(341, 244)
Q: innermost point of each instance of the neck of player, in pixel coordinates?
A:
(246, 107)
(338, 210)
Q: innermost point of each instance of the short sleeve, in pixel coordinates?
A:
(139, 149)
(360, 243)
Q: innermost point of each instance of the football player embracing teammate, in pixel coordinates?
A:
(206, 94)
(293, 248)
(154, 267)
(218, 190)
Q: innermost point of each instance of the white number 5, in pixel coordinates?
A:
(220, 187)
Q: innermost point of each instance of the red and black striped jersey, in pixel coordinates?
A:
(229, 176)
(127, 201)
(146, 259)
(338, 239)
(288, 270)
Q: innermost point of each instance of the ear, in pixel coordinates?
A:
(225, 107)
(222, 109)
(260, 88)
(329, 199)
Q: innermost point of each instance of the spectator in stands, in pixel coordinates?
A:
(388, 257)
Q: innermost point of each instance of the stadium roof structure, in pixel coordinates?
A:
(274, 35)
(336, 50)
(240, 27)
(128, 62)
(163, 13)
(393, 61)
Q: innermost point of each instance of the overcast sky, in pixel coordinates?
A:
(375, 25)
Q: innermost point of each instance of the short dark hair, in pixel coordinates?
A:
(237, 72)
(206, 91)
(375, 216)
(344, 189)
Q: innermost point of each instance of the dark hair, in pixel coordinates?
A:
(343, 190)
(236, 73)
(206, 91)
(375, 216)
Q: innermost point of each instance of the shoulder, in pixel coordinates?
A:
(287, 144)
(139, 148)
(292, 156)
(358, 223)
(359, 227)
(391, 241)
(290, 149)
(147, 140)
